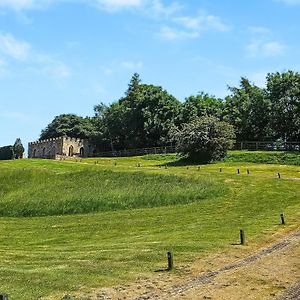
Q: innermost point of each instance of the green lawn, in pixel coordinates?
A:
(120, 219)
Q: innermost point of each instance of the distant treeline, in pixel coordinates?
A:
(11, 152)
(147, 115)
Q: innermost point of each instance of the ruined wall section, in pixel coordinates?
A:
(76, 147)
(45, 149)
(61, 147)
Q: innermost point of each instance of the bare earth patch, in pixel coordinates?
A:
(272, 272)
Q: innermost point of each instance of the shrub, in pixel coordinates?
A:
(205, 139)
(6, 152)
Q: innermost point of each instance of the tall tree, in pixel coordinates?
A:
(142, 118)
(284, 92)
(201, 105)
(70, 125)
(248, 109)
(18, 148)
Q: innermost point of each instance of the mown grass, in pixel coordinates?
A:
(265, 157)
(56, 255)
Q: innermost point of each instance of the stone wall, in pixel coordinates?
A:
(60, 147)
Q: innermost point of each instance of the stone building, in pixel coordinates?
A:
(60, 147)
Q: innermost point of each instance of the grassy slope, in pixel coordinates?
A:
(51, 255)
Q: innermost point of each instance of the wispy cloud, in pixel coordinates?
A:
(14, 48)
(263, 44)
(191, 27)
(202, 22)
(22, 5)
(261, 48)
(22, 52)
(113, 5)
(132, 65)
(172, 34)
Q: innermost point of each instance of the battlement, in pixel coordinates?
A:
(39, 142)
(61, 146)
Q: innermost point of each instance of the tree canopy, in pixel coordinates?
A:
(205, 139)
(147, 114)
(70, 125)
(18, 148)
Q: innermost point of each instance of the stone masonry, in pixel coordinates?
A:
(55, 148)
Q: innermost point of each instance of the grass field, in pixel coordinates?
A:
(75, 225)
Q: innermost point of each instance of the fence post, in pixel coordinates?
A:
(282, 219)
(170, 261)
(242, 237)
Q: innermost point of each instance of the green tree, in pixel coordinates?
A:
(70, 125)
(18, 149)
(205, 139)
(284, 93)
(248, 109)
(7, 152)
(201, 105)
(142, 118)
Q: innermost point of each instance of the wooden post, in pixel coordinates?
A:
(3, 297)
(198, 168)
(242, 237)
(238, 171)
(170, 261)
(248, 172)
(220, 170)
(282, 219)
(279, 175)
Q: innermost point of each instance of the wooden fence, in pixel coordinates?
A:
(139, 152)
(246, 145)
(264, 145)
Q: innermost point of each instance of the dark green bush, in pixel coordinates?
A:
(6, 152)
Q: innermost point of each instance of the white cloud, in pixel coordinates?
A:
(22, 52)
(116, 4)
(263, 43)
(202, 22)
(132, 65)
(19, 5)
(191, 27)
(48, 66)
(14, 48)
(173, 34)
(259, 48)
(159, 9)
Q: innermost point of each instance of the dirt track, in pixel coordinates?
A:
(271, 273)
(196, 282)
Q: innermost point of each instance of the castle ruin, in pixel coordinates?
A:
(61, 147)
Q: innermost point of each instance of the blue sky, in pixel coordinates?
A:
(65, 56)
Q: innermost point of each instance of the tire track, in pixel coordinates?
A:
(210, 276)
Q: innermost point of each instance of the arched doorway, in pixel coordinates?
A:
(34, 153)
(81, 152)
(53, 151)
(71, 150)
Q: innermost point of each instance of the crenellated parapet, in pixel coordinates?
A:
(61, 146)
(45, 141)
